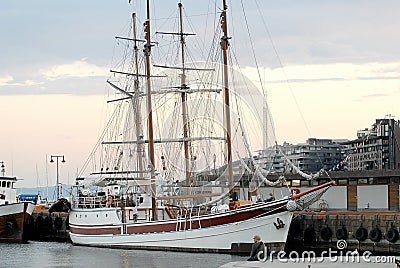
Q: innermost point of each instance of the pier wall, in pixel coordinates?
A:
(365, 231)
(43, 226)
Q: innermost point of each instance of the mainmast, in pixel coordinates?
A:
(224, 46)
(147, 49)
(139, 135)
(183, 96)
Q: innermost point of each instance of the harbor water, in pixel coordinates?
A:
(53, 254)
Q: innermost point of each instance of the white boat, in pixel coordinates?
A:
(183, 201)
(13, 214)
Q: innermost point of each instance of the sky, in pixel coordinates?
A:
(329, 69)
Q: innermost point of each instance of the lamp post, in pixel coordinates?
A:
(3, 168)
(63, 161)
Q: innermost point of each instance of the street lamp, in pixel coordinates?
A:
(3, 168)
(63, 161)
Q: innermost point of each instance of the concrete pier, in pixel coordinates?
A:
(375, 231)
(43, 226)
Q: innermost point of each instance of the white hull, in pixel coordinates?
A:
(217, 238)
(16, 208)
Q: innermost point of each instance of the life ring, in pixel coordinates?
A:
(342, 233)
(309, 235)
(392, 235)
(326, 233)
(361, 234)
(109, 201)
(375, 235)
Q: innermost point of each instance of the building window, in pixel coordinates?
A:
(352, 181)
(295, 183)
(305, 183)
(382, 181)
(394, 180)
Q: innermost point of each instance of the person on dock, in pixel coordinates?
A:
(257, 246)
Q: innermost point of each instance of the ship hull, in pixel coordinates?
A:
(212, 233)
(12, 219)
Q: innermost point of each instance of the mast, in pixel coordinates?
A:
(147, 49)
(183, 96)
(139, 135)
(224, 47)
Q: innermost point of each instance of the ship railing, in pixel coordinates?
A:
(90, 202)
(102, 202)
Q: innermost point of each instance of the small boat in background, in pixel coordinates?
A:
(13, 212)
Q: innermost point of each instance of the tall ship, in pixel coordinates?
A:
(13, 213)
(167, 172)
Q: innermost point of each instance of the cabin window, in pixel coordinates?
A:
(394, 180)
(8, 184)
(322, 181)
(3, 184)
(342, 182)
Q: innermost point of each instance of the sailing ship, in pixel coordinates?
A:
(12, 213)
(182, 116)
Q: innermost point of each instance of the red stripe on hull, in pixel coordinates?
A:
(96, 231)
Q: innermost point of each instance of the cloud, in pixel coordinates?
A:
(77, 77)
(314, 73)
(79, 68)
(377, 95)
(5, 80)
(9, 80)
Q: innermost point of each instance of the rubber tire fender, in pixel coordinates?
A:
(342, 233)
(309, 235)
(58, 222)
(392, 235)
(375, 234)
(361, 234)
(326, 233)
